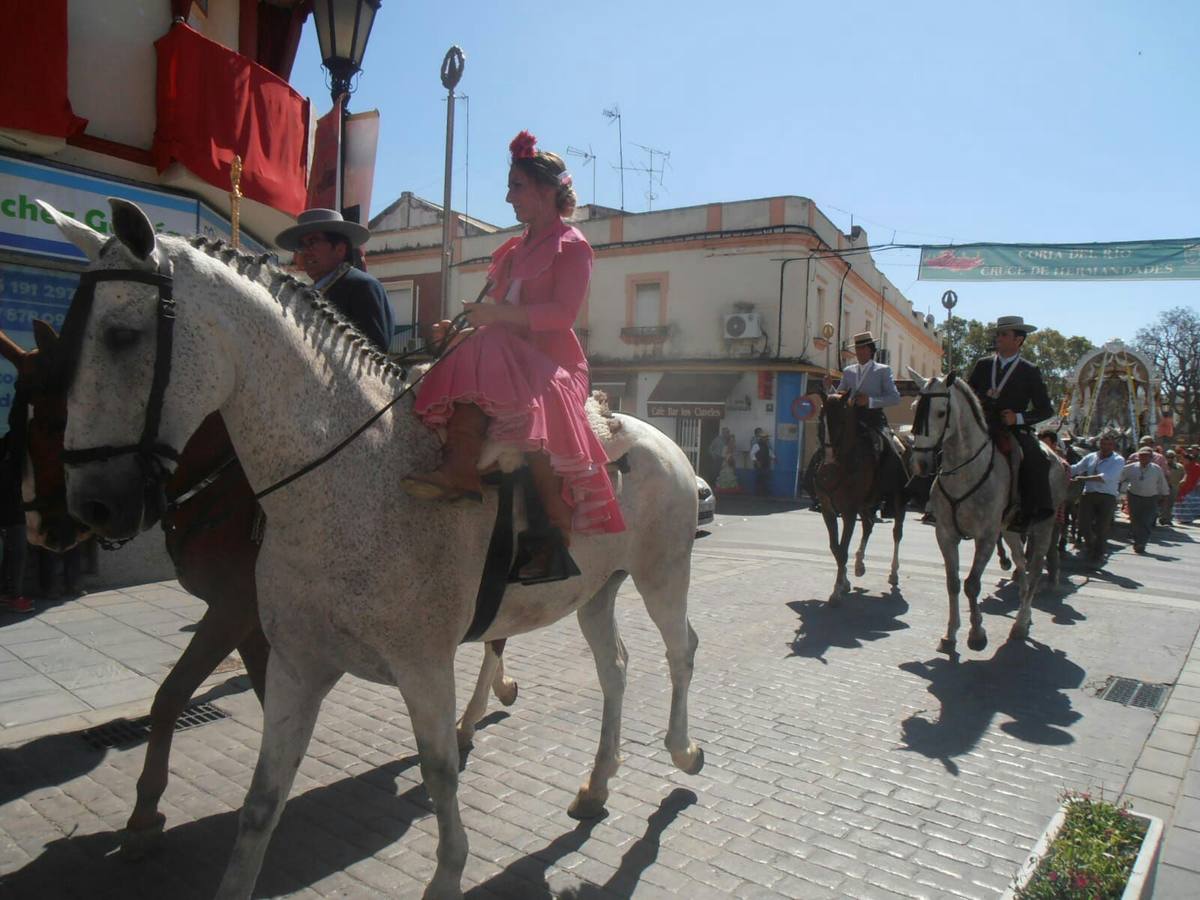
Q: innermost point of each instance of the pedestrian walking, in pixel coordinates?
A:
(1187, 507)
(716, 455)
(760, 458)
(1100, 472)
(1145, 486)
(1175, 474)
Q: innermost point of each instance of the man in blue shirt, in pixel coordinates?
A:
(1101, 474)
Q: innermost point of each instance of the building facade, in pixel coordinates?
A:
(707, 317)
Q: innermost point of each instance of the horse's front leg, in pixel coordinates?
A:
(843, 583)
(829, 514)
(219, 632)
(868, 524)
(897, 535)
(976, 636)
(948, 542)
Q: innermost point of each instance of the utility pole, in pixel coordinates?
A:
(452, 70)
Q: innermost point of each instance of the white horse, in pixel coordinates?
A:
(353, 576)
(972, 500)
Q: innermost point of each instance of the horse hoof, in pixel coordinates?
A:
(835, 599)
(585, 807)
(137, 843)
(946, 646)
(507, 695)
(690, 761)
(894, 579)
(1019, 635)
(1005, 564)
(977, 642)
(860, 569)
(466, 739)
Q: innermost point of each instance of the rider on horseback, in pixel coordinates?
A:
(871, 387)
(1014, 399)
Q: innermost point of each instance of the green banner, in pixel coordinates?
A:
(1124, 261)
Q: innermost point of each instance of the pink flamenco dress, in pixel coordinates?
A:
(533, 384)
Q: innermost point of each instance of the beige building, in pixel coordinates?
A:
(701, 317)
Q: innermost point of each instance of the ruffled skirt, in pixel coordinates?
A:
(533, 404)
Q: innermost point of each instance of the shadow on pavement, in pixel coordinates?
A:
(860, 618)
(59, 758)
(1005, 600)
(1023, 681)
(525, 878)
(321, 832)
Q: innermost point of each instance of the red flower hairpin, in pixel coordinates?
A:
(523, 146)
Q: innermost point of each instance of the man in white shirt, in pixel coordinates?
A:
(1101, 474)
(1145, 485)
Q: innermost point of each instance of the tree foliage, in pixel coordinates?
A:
(1053, 352)
(1173, 343)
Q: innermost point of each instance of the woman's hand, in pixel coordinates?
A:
(440, 330)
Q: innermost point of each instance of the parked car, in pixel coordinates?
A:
(708, 502)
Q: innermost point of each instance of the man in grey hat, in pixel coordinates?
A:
(1015, 399)
(326, 245)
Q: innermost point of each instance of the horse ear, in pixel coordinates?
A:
(917, 377)
(44, 336)
(132, 228)
(86, 239)
(11, 350)
(951, 378)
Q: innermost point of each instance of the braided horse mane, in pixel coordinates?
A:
(285, 288)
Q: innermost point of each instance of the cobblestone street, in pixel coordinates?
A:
(844, 756)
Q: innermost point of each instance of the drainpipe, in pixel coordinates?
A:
(779, 325)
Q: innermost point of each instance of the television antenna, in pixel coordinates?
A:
(614, 112)
(651, 171)
(588, 158)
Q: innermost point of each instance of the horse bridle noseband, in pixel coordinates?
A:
(149, 450)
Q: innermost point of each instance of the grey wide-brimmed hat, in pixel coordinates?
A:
(863, 338)
(1015, 323)
(323, 220)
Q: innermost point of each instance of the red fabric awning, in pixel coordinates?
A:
(214, 103)
(33, 69)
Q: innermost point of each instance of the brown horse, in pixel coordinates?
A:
(850, 484)
(213, 527)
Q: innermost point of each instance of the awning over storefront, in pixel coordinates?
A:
(692, 395)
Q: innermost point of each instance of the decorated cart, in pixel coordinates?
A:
(1112, 388)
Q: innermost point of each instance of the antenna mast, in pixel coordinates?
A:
(614, 112)
(651, 171)
(588, 158)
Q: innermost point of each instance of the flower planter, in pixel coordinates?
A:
(1141, 876)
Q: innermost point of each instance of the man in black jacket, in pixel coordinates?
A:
(326, 247)
(1015, 399)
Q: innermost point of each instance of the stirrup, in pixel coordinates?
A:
(550, 546)
(423, 488)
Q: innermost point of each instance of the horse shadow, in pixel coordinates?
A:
(859, 619)
(1051, 599)
(321, 833)
(525, 878)
(56, 759)
(1025, 681)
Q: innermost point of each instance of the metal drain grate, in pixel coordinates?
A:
(1131, 692)
(123, 732)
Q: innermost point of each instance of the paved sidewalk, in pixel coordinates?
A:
(845, 758)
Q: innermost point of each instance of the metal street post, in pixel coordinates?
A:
(949, 301)
(452, 71)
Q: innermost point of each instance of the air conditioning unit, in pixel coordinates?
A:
(742, 325)
(883, 356)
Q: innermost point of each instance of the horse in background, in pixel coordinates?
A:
(352, 576)
(212, 526)
(850, 484)
(972, 500)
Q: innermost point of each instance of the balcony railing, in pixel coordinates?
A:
(646, 331)
(401, 338)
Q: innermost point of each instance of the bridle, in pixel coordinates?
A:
(921, 426)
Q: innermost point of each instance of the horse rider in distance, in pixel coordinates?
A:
(1015, 399)
(871, 387)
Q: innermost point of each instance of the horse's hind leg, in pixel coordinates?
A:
(504, 688)
(218, 633)
(666, 602)
(292, 702)
(1040, 536)
(428, 689)
(477, 705)
(598, 623)
(868, 524)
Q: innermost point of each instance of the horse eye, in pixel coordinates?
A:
(121, 338)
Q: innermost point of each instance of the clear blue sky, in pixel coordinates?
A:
(1025, 121)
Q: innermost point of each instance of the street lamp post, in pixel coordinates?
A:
(343, 27)
(949, 301)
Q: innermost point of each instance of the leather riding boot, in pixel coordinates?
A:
(458, 475)
(543, 564)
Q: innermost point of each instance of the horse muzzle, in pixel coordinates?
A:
(117, 498)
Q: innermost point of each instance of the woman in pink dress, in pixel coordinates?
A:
(521, 375)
